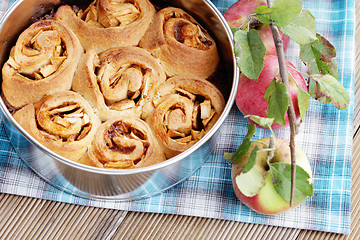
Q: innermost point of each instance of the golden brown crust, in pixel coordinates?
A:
(105, 24)
(183, 110)
(43, 61)
(118, 81)
(122, 143)
(181, 43)
(63, 122)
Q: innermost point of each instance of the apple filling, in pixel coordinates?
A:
(41, 54)
(187, 32)
(67, 122)
(118, 13)
(187, 118)
(124, 86)
(129, 144)
(202, 112)
(190, 34)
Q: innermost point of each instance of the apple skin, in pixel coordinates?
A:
(250, 93)
(238, 14)
(268, 201)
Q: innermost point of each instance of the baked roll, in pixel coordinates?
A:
(108, 23)
(43, 61)
(122, 143)
(63, 122)
(181, 43)
(118, 81)
(182, 111)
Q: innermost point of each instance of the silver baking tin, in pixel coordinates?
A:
(112, 184)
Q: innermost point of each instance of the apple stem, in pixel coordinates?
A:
(291, 112)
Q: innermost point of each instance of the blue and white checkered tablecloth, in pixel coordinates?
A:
(325, 135)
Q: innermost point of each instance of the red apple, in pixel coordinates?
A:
(238, 14)
(266, 200)
(250, 93)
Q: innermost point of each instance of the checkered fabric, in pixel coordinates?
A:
(325, 136)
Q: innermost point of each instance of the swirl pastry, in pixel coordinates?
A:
(63, 122)
(108, 23)
(181, 43)
(43, 61)
(118, 81)
(123, 142)
(182, 111)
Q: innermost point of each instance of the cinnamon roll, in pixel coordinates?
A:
(118, 81)
(43, 61)
(108, 23)
(63, 122)
(181, 43)
(122, 143)
(182, 111)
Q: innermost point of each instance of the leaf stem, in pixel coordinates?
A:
(291, 111)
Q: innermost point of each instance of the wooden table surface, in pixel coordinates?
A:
(30, 218)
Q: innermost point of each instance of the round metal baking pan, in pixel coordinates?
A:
(115, 184)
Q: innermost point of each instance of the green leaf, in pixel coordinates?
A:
(244, 146)
(278, 99)
(329, 87)
(281, 176)
(234, 30)
(286, 11)
(314, 93)
(312, 88)
(228, 156)
(319, 56)
(239, 153)
(302, 29)
(263, 14)
(252, 160)
(251, 182)
(250, 52)
(303, 102)
(281, 13)
(261, 121)
(251, 131)
(237, 50)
